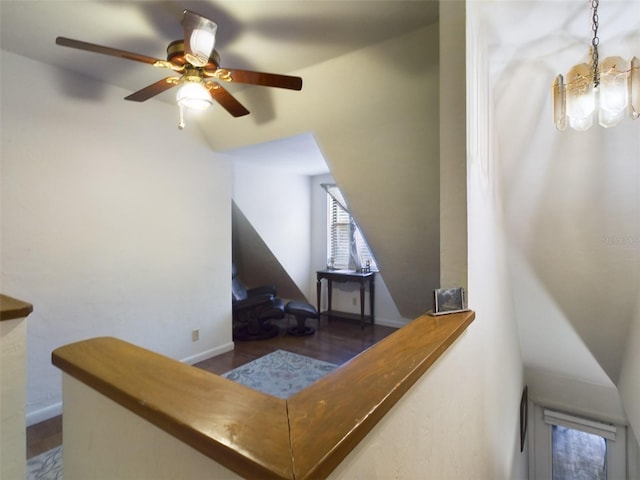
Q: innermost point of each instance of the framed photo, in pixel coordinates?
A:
(449, 300)
(524, 407)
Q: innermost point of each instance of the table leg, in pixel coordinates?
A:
(319, 298)
(362, 304)
(371, 298)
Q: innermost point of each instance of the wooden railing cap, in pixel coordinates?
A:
(306, 436)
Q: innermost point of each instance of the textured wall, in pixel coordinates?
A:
(13, 365)
(114, 222)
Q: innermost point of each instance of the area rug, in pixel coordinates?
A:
(46, 466)
(280, 373)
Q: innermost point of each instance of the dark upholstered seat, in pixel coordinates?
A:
(253, 309)
(302, 311)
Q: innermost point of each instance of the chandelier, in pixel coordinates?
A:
(610, 89)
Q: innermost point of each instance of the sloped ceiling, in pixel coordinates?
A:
(571, 200)
(271, 36)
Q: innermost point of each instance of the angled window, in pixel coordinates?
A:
(346, 246)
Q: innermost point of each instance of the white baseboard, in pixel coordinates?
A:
(43, 414)
(207, 354)
(55, 409)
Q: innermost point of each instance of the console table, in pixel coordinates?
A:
(347, 276)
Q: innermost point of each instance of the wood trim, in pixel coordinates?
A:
(244, 430)
(355, 397)
(12, 308)
(257, 435)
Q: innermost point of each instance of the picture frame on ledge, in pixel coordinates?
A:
(449, 300)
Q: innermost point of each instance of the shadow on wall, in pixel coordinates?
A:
(255, 262)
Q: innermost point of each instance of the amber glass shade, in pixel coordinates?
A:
(634, 88)
(613, 91)
(580, 96)
(559, 103)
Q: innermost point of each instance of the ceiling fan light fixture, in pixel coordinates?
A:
(202, 43)
(194, 96)
(200, 38)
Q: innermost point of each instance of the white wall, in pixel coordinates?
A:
(277, 204)
(461, 419)
(128, 446)
(471, 397)
(13, 365)
(490, 292)
(629, 383)
(114, 222)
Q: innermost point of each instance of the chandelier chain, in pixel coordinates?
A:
(595, 42)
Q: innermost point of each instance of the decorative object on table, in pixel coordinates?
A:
(449, 300)
(611, 88)
(280, 373)
(524, 411)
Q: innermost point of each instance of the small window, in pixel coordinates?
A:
(577, 454)
(578, 446)
(346, 246)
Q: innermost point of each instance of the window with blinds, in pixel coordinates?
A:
(343, 233)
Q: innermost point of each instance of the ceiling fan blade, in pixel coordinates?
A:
(92, 47)
(224, 98)
(152, 90)
(199, 38)
(264, 79)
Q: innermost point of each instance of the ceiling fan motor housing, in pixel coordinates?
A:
(175, 55)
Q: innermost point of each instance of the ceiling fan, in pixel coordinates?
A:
(201, 76)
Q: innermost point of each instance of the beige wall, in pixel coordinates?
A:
(128, 447)
(374, 115)
(114, 222)
(629, 383)
(13, 365)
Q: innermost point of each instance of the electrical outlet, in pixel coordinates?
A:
(353, 301)
(195, 335)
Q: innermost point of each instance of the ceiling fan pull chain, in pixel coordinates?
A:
(182, 122)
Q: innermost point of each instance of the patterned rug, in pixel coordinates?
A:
(46, 466)
(279, 373)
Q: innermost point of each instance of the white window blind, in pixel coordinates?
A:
(339, 234)
(344, 235)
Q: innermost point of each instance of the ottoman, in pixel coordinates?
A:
(302, 311)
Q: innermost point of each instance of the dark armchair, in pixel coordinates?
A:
(253, 309)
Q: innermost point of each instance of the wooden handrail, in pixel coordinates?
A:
(11, 308)
(254, 434)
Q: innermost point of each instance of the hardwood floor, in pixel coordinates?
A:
(336, 341)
